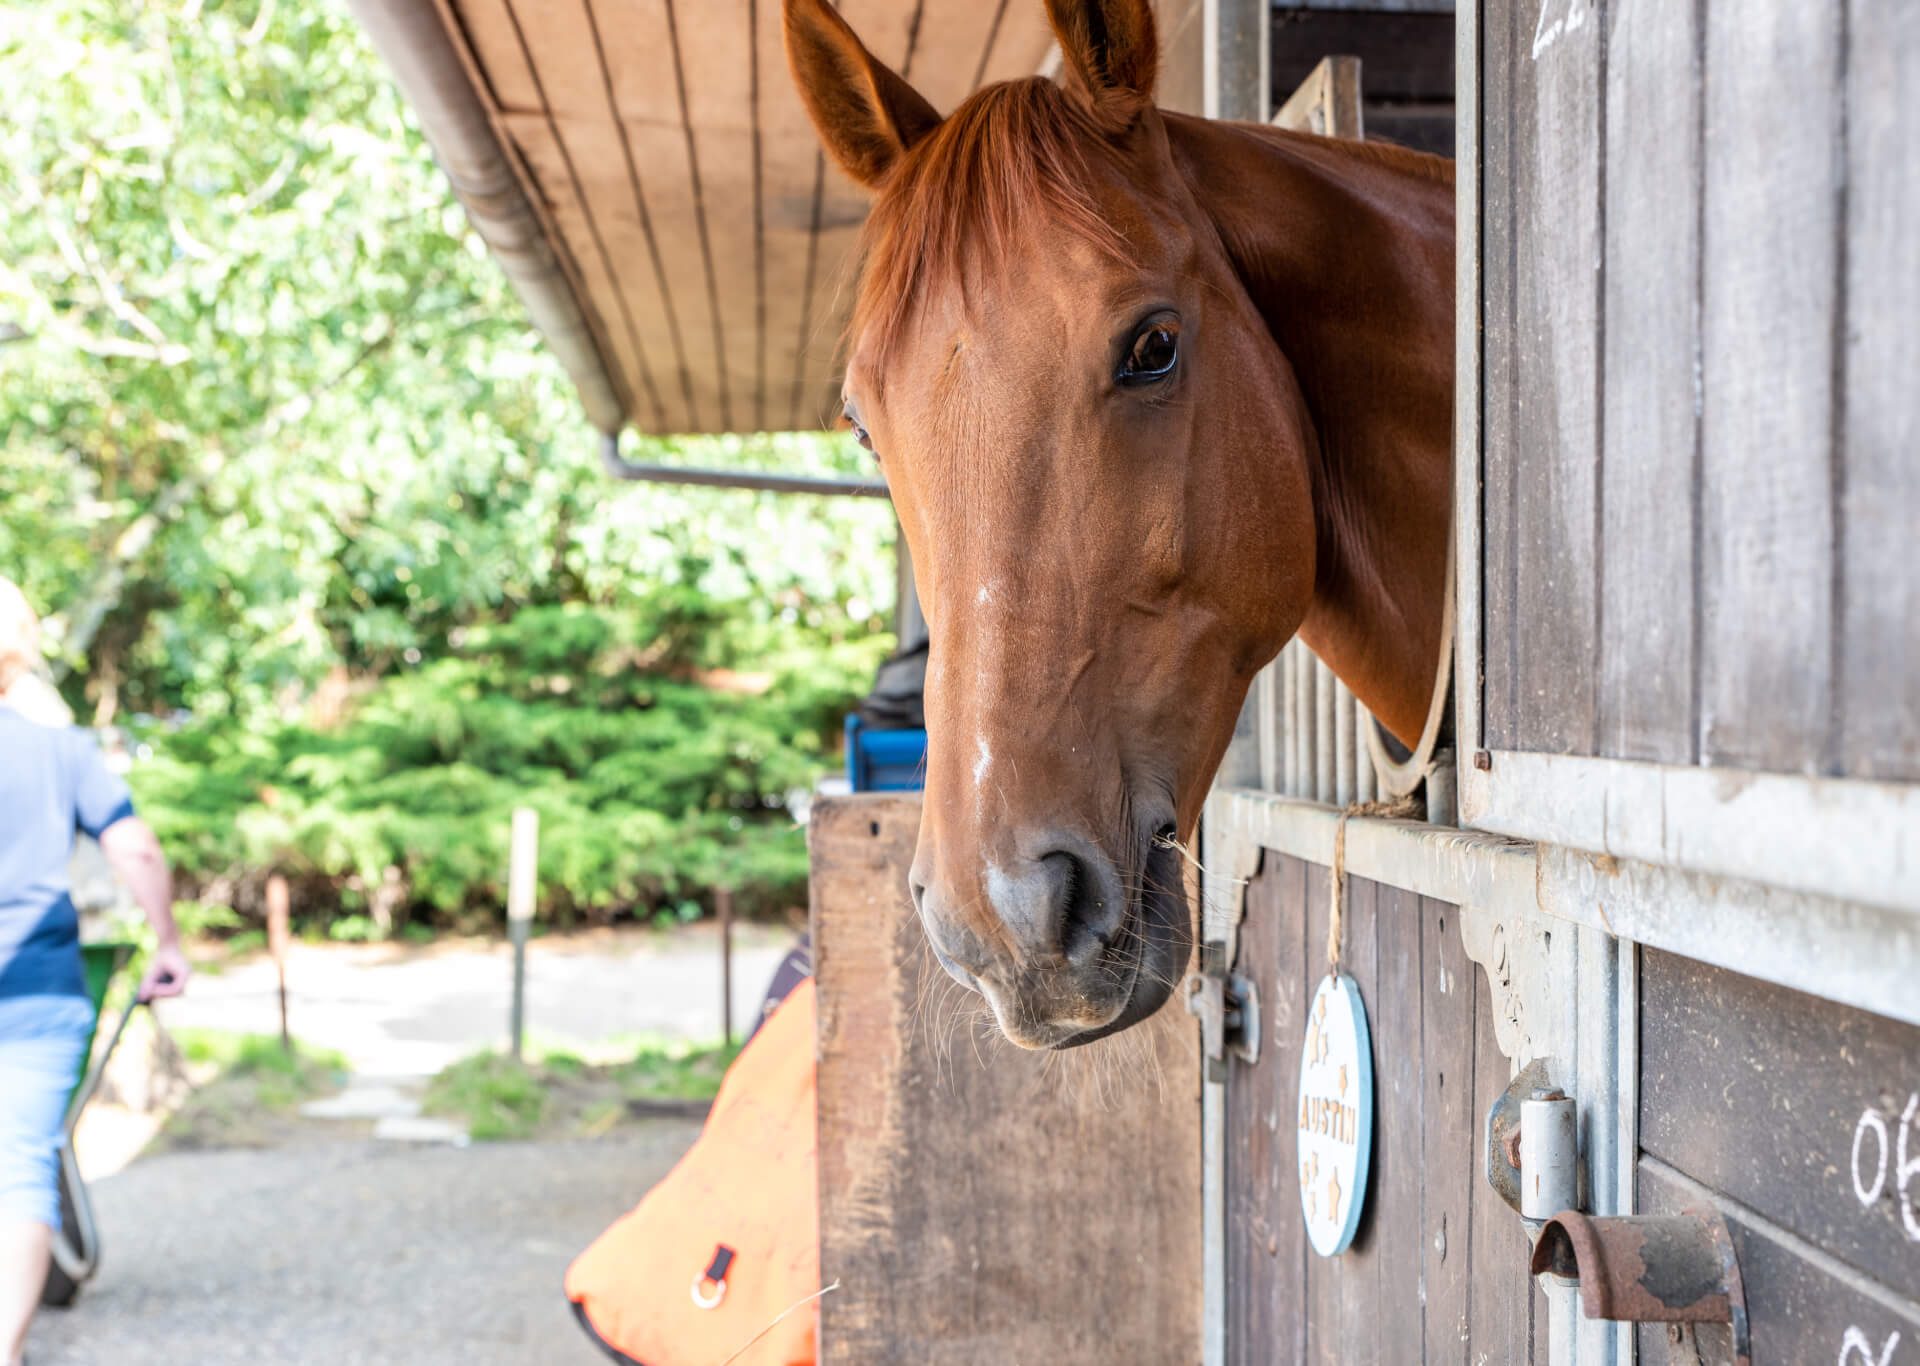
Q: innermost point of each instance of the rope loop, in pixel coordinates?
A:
(1411, 806)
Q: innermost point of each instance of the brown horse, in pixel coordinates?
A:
(1152, 393)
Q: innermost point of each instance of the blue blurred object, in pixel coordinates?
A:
(885, 760)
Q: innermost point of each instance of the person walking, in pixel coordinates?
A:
(53, 783)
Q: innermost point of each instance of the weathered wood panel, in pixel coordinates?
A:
(1500, 626)
(1503, 1302)
(1803, 1111)
(1550, 459)
(1437, 1271)
(1399, 1164)
(1800, 1309)
(1767, 375)
(1266, 1243)
(1879, 700)
(1449, 1130)
(1702, 552)
(1649, 489)
(978, 1203)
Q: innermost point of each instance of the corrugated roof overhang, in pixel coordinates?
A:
(646, 175)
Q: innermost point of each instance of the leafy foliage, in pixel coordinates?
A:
(652, 789)
(281, 457)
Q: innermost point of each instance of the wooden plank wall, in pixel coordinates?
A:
(979, 1203)
(1406, 63)
(1700, 464)
(1437, 1272)
(1801, 1119)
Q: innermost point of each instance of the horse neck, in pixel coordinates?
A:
(1346, 249)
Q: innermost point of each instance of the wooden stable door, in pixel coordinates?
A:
(980, 1204)
(1438, 1270)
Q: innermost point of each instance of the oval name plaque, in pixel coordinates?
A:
(1336, 1114)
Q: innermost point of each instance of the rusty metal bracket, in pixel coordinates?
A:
(1503, 1132)
(1672, 1268)
(1228, 1007)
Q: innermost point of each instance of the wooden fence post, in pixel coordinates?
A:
(723, 903)
(279, 932)
(522, 886)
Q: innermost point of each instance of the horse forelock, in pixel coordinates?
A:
(1011, 157)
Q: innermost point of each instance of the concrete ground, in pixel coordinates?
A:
(340, 1251)
(352, 1254)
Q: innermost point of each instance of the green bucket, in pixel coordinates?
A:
(101, 962)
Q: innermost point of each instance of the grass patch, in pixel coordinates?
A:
(561, 1095)
(675, 1070)
(496, 1097)
(245, 1087)
(279, 1080)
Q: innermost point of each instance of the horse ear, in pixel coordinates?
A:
(867, 116)
(1108, 47)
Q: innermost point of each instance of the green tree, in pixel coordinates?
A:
(273, 427)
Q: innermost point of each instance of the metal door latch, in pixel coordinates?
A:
(1505, 1135)
(1228, 1006)
(1676, 1269)
(1679, 1269)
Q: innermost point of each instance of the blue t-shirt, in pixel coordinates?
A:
(53, 783)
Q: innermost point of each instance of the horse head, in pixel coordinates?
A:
(1103, 467)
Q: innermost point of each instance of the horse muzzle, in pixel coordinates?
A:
(1074, 951)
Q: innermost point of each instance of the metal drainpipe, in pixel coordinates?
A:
(429, 72)
(620, 467)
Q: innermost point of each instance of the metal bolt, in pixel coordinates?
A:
(1482, 760)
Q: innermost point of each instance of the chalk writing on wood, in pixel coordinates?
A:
(1856, 1349)
(1875, 1149)
(1568, 17)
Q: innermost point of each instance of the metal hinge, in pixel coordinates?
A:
(1228, 1007)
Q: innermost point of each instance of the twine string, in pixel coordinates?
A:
(1395, 808)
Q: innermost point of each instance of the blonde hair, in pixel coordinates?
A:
(19, 635)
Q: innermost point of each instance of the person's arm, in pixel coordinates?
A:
(103, 808)
(134, 853)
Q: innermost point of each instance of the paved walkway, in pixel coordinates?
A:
(352, 1254)
(399, 1011)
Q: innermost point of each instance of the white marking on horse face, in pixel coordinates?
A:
(983, 762)
(985, 596)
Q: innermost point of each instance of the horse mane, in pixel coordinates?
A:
(1011, 155)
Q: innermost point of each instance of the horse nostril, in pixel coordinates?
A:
(1089, 912)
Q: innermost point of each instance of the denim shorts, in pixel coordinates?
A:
(41, 1039)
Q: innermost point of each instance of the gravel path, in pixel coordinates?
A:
(352, 1254)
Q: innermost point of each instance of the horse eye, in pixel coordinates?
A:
(1154, 353)
(859, 432)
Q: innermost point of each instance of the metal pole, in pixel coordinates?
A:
(279, 931)
(522, 870)
(1344, 768)
(1266, 700)
(620, 467)
(1298, 728)
(723, 902)
(1283, 722)
(1322, 732)
(1366, 785)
